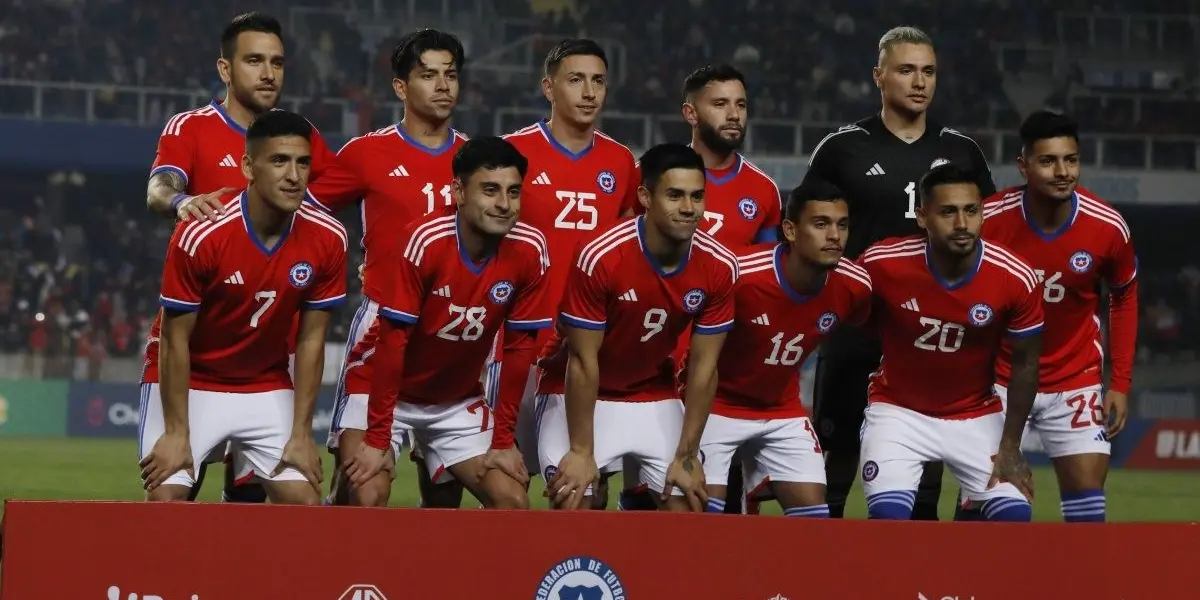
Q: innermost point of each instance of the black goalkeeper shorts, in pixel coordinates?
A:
(839, 399)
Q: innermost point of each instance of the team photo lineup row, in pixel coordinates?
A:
(614, 291)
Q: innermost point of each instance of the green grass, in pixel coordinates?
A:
(81, 469)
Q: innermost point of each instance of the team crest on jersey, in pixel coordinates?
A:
(826, 323)
(693, 300)
(980, 315)
(300, 274)
(580, 577)
(870, 470)
(937, 162)
(501, 291)
(606, 181)
(1081, 261)
(748, 208)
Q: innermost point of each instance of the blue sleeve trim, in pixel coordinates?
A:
(528, 325)
(581, 323)
(712, 329)
(398, 316)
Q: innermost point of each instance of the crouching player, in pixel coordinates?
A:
(943, 304)
(788, 297)
(456, 277)
(231, 292)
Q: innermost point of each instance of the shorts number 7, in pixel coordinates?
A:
(481, 406)
(1089, 411)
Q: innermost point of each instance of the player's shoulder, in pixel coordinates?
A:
(529, 243)
(852, 275)
(526, 137)
(1004, 202)
(426, 234)
(191, 121)
(843, 137)
(755, 174)
(189, 236)
(1008, 264)
(322, 225)
(609, 246)
(1099, 212)
(370, 140)
(952, 136)
(611, 148)
(706, 245)
(892, 249)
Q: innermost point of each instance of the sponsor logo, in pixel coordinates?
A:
(580, 577)
(114, 593)
(362, 591)
(1174, 443)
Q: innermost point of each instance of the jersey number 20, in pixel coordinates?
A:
(940, 336)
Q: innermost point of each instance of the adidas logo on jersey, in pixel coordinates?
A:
(442, 292)
(628, 296)
(399, 171)
(875, 170)
(235, 279)
(911, 305)
(761, 320)
(228, 161)
(542, 179)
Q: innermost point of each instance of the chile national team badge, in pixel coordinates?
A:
(1081, 261)
(980, 315)
(501, 291)
(300, 274)
(607, 182)
(748, 208)
(827, 322)
(693, 300)
(580, 577)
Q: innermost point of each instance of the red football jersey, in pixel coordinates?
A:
(740, 202)
(249, 296)
(457, 306)
(1092, 247)
(776, 329)
(616, 286)
(398, 180)
(940, 341)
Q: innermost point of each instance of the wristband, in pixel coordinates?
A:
(178, 199)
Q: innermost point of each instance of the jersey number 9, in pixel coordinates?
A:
(578, 211)
(940, 336)
(468, 319)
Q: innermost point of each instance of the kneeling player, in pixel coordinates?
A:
(943, 304)
(231, 291)
(457, 276)
(632, 292)
(788, 297)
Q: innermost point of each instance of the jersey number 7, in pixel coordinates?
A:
(266, 298)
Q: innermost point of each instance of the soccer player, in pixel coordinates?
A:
(788, 297)
(632, 292)
(199, 156)
(943, 305)
(580, 183)
(231, 291)
(400, 173)
(456, 277)
(877, 162)
(1075, 242)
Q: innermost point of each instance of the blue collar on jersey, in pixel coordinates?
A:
(224, 114)
(1049, 237)
(475, 267)
(283, 235)
(544, 125)
(784, 284)
(966, 278)
(641, 232)
(446, 145)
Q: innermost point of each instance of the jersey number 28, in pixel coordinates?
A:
(467, 318)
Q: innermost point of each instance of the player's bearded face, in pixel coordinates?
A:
(490, 199)
(953, 217)
(1051, 167)
(278, 169)
(719, 115)
(676, 203)
(818, 235)
(907, 77)
(577, 89)
(255, 75)
(431, 90)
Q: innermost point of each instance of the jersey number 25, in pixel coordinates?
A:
(578, 211)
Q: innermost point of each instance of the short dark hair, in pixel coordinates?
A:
(487, 153)
(573, 47)
(812, 189)
(247, 22)
(407, 53)
(664, 157)
(277, 123)
(708, 74)
(944, 174)
(1044, 125)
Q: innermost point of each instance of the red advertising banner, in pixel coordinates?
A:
(1167, 444)
(136, 551)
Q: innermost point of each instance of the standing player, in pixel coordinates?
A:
(1075, 242)
(199, 155)
(877, 162)
(788, 297)
(454, 278)
(580, 181)
(632, 292)
(400, 173)
(231, 292)
(943, 305)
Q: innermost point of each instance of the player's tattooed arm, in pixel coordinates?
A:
(703, 353)
(1022, 389)
(166, 194)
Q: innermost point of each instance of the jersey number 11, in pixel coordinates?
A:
(911, 190)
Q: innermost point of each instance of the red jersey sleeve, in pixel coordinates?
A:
(1121, 270)
(329, 289)
(532, 308)
(584, 303)
(176, 149)
(630, 205)
(1027, 316)
(340, 182)
(858, 310)
(187, 272)
(774, 211)
(403, 289)
(717, 314)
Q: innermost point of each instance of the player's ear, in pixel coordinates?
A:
(456, 191)
(689, 113)
(548, 89)
(247, 166)
(921, 215)
(1023, 167)
(789, 230)
(644, 196)
(877, 76)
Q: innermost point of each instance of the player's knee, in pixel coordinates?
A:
(504, 492)
(819, 511)
(891, 505)
(370, 494)
(640, 499)
(1087, 506)
(1008, 510)
(169, 493)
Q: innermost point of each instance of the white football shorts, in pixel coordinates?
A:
(1067, 423)
(780, 450)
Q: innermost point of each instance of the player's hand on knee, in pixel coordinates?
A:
(1116, 410)
(204, 207)
(365, 464)
(507, 460)
(576, 471)
(302, 455)
(171, 453)
(1010, 467)
(686, 474)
